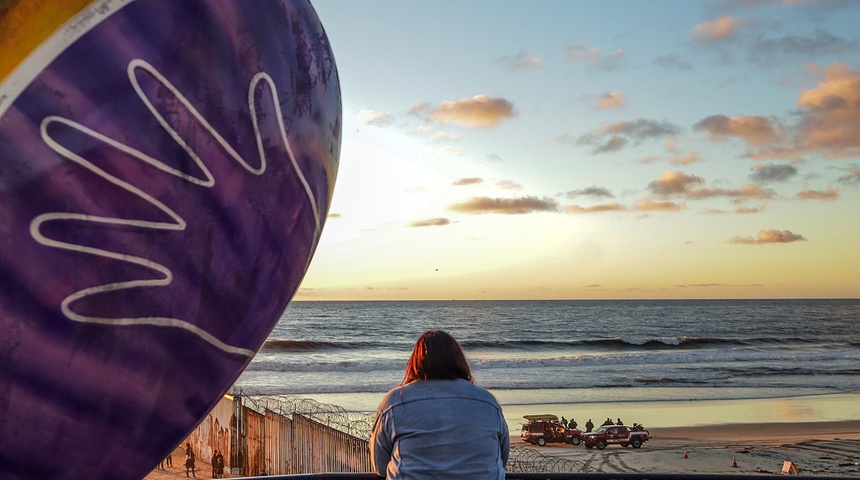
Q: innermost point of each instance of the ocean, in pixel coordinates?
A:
(570, 352)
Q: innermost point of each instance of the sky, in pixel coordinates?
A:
(593, 150)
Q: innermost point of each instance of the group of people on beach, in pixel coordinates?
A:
(217, 462)
(589, 425)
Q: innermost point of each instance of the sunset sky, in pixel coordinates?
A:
(600, 149)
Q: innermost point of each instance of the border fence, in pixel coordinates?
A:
(284, 435)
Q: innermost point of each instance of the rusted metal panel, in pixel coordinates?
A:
(320, 448)
(278, 444)
(213, 432)
(255, 424)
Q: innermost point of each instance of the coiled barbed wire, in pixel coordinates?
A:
(357, 424)
(528, 460)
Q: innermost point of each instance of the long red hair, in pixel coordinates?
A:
(437, 356)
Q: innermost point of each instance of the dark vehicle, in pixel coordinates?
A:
(543, 429)
(615, 434)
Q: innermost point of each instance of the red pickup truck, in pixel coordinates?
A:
(614, 434)
(543, 429)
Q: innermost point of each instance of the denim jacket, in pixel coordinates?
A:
(440, 429)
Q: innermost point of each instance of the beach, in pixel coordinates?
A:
(824, 448)
(819, 434)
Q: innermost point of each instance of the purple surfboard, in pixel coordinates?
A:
(164, 180)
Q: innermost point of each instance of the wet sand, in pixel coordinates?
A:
(822, 448)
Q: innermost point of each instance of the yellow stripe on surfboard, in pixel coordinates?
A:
(25, 24)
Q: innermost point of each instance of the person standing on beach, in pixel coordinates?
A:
(219, 464)
(588, 426)
(438, 423)
(189, 460)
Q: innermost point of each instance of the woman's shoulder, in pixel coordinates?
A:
(477, 390)
(456, 387)
(391, 396)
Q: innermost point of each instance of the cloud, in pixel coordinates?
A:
(718, 285)
(673, 62)
(467, 181)
(564, 137)
(420, 130)
(679, 183)
(430, 222)
(831, 113)
(786, 3)
(808, 194)
(642, 128)
(674, 183)
(506, 206)
(748, 210)
(719, 29)
(612, 137)
(652, 206)
(479, 111)
(774, 51)
(581, 53)
(597, 192)
(612, 144)
(739, 240)
(520, 61)
(444, 137)
(611, 100)
(509, 185)
(772, 173)
(828, 121)
(768, 236)
(850, 178)
(379, 119)
(692, 157)
(420, 109)
(746, 192)
(755, 130)
(670, 144)
(607, 207)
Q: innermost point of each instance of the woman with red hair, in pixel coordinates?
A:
(438, 423)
